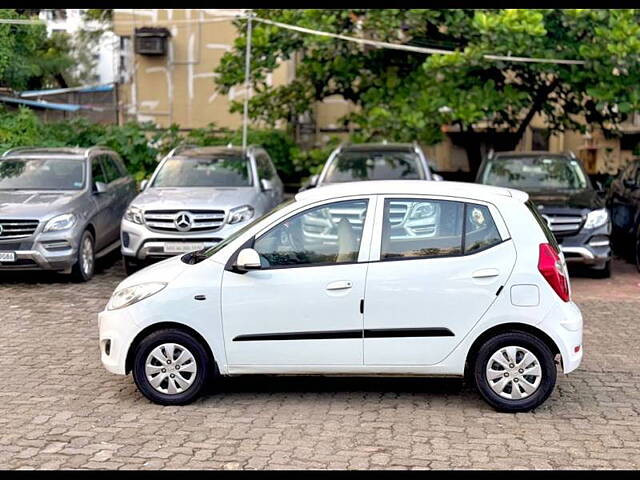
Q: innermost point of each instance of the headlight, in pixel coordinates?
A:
(597, 218)
(133, 214)
(130, 295)
(422, 210)
(241, 214)
(61, 222)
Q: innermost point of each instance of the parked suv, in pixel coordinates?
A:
(623, 200)
(559, 186)
(486, 293)
(197, 197)
(60, 208)
(374, 161)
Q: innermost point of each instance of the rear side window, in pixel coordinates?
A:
(425, 228)
(480, 229)
(417, 228)
(543, 225)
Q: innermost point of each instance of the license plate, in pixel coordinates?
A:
(182, 247)
(7, 257)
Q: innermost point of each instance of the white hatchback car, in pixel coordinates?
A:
(382, 277)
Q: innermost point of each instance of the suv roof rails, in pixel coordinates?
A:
(77, 150)
(182, 147)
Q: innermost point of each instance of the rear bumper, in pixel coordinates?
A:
(564, 326)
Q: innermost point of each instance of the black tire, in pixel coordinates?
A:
(131, 266)
(603, 272)
(204, 367)
(78, 272)
(519, 339)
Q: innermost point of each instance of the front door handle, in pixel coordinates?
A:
(340, 285)
(486, 273)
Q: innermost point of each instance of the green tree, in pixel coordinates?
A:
(404, 95)
(28, 58)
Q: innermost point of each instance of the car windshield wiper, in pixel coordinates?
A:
(196, 256)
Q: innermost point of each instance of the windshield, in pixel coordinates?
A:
(354, 166)
(211, 171)
(216, 248)
(535, 173)
(41, 174)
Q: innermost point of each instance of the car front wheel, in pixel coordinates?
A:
(170, 367)
(515, 372)
(84, 267)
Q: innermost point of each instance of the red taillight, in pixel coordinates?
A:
(551, 268)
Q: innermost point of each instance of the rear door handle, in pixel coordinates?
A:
(340, 285)
(486, 273)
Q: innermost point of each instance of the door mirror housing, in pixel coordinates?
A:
(248, 259)
(310, 183)
(266, 185)
(143, 184)
(100, 187)
(600, 188)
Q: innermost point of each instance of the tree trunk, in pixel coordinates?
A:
(538, 101)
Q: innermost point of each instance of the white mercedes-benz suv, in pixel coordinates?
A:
(408, 278)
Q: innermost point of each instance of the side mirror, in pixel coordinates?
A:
(600, 188)
(266, 185)
(248, 259)
(100, 187)
(310, 183)
(143, 184)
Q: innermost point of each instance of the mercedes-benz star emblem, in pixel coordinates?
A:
(183, 221)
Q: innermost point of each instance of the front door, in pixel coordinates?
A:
(303, 307)
(441, 265)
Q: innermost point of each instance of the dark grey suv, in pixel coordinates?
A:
(60, 208)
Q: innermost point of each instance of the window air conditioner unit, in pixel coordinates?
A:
(151, 41)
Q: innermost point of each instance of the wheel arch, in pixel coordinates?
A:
(504, 328)
(162, 326)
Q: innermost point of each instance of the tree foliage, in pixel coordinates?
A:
(28, 58)
(408, 96)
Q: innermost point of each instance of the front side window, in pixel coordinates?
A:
(41, 174)
(550, 172)
(210, 171)
(328, 234)
(110, 168)
(264, 167)
(416, 228)
(383, 165)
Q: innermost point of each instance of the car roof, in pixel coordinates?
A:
(532, 153)
(196, 151)
(365, 147)
(69, 152)
(411, 187)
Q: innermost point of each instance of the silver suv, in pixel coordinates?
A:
(60, 208)
(374, 161)
(197, 197)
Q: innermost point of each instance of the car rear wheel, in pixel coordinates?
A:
(171, 367)
(514, 372)
(84, 267)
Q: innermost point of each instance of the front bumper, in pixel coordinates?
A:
(54, 251)
(139, 242)
(588, 247)
(117, 332)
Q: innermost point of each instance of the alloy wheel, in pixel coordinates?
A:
(170, 368)
(513, 372)
(86, 256)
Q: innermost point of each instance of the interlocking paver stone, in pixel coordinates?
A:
(63, 410)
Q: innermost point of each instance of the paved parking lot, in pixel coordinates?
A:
(60, 409)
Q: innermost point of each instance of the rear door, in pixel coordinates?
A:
(439, 266)
(119, 195)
